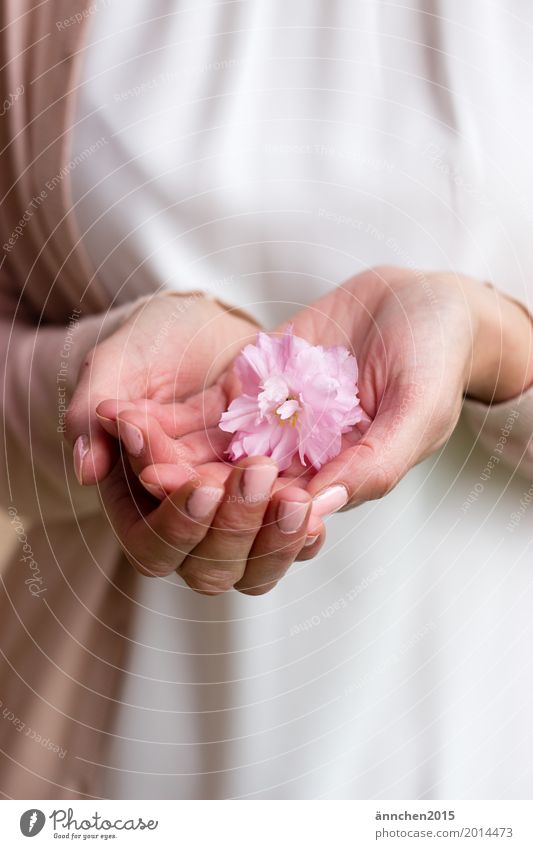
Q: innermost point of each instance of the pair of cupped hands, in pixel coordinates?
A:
(143, 420)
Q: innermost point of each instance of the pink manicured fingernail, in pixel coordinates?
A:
(310, 541)
(132, 438)
(108, 424)
(81, 449)
(203, 501)
(119, 407)
(103, 418)
(291, 516)
(155, 490)
(330, 500)
(257, 482)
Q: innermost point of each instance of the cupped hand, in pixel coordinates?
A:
(170, 348)
(247, 538)
(423, 341)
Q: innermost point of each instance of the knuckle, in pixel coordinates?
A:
(182, 534)
(385, 481)
(207, 580)
(148, 568)
(184, 539)
(237, 527)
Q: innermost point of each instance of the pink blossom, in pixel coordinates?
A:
(297, 398)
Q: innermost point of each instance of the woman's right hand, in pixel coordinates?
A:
(170, 348)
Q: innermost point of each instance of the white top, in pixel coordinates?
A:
(266, 151)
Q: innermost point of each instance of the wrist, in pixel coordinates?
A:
(189, 299)
(502, 350)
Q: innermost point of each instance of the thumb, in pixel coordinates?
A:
(94, 451)
(97, 376)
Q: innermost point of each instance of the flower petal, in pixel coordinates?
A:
(240, 415)
(285, 378)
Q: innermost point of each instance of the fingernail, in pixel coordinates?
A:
(291, 516)
(81, 449)
(257, 482)
(111, 423)
(310, 541)
(121, 407)
(330, 500)
(203, 501)
(155, 490)
(104, 418)
(132, 438)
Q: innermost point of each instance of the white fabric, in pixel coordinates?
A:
(266, 151)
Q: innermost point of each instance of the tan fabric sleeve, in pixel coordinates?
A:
(506, 429)
(41, 366)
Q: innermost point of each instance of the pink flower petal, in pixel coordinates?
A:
(241, 414)
(288, 409)
(298, 399)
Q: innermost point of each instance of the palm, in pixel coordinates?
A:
(411, 341)
(168, 349)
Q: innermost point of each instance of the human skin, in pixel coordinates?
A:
(226, 505)
(423, 341)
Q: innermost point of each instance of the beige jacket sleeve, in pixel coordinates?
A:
(41, 365)
(505, 430)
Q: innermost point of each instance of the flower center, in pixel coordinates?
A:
(288, 411)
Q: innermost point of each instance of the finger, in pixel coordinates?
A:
(156, 541)
(316, 536)
(94, 451)
(398, 438)
(177, 419)
(219, 561)
(282, 536)
(163, 479)
(147, 443)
